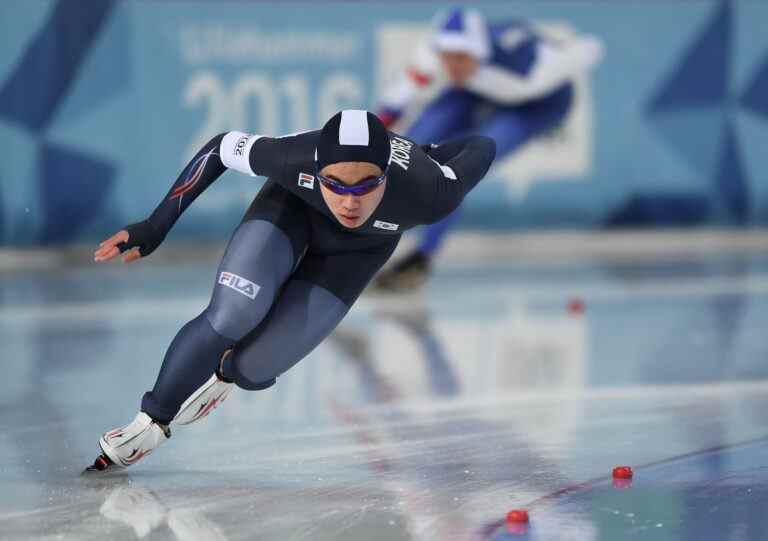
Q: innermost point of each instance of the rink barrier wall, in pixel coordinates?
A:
(100, 108)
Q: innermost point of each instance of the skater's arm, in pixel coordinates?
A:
(142, 238)
(201, 171)
(462, 162)
(555, 65)
(250, 154)
(400, 94)
(253, 154)
(419, 74)
(247, 153)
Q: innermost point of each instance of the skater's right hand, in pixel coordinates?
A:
(135, 241)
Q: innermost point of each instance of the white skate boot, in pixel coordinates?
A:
(204, 400)
(125, 446)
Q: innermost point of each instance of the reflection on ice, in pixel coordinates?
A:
(415, 420)
(135, 506)
(143, 510)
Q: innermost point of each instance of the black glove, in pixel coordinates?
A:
(447, 150)
(437, 152)
(428, 148)
(141, 235)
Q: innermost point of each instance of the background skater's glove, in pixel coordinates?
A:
(142, 235)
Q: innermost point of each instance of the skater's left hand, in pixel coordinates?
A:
(109, 249)
(134, 242)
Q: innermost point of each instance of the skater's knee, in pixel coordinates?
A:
(236, 319)
(245, 383)
(247, 375)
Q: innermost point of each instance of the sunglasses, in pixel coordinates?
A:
(361, 188)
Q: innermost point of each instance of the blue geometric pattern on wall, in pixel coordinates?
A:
(73, 111)
(700, 77)
(668, 209)
(731, 180)
(695, 135)
(32, 93)
(691, 111)
(755, 97)
(72, 186)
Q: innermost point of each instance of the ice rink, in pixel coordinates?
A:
(516, 381)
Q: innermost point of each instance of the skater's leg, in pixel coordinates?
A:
(313, 302)
(443, 118)
(260, 257)
(511, 127)
(433, 235)
(189, 362)
(413, 270)
(447, 116)
(304, 315)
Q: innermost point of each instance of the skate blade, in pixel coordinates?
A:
(102, 464)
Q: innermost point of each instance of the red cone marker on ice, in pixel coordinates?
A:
(622, 477)
(517, 521)
(622, 472)
(517, 528)
(576, 306)
(622, 483)
(517, 516)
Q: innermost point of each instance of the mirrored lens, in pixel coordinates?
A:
(357, 190)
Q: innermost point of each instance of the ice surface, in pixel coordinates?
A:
(421, 418)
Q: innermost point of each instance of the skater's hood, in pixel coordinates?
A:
(462, 30)
(353, 136)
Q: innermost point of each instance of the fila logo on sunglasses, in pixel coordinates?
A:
(306, 181)
(386, 225)
(239, 284)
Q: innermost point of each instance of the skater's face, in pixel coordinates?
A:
(349, 209)
(459, 66)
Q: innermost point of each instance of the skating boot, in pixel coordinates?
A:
(125, 446)
(408, 274)
(204, 400)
